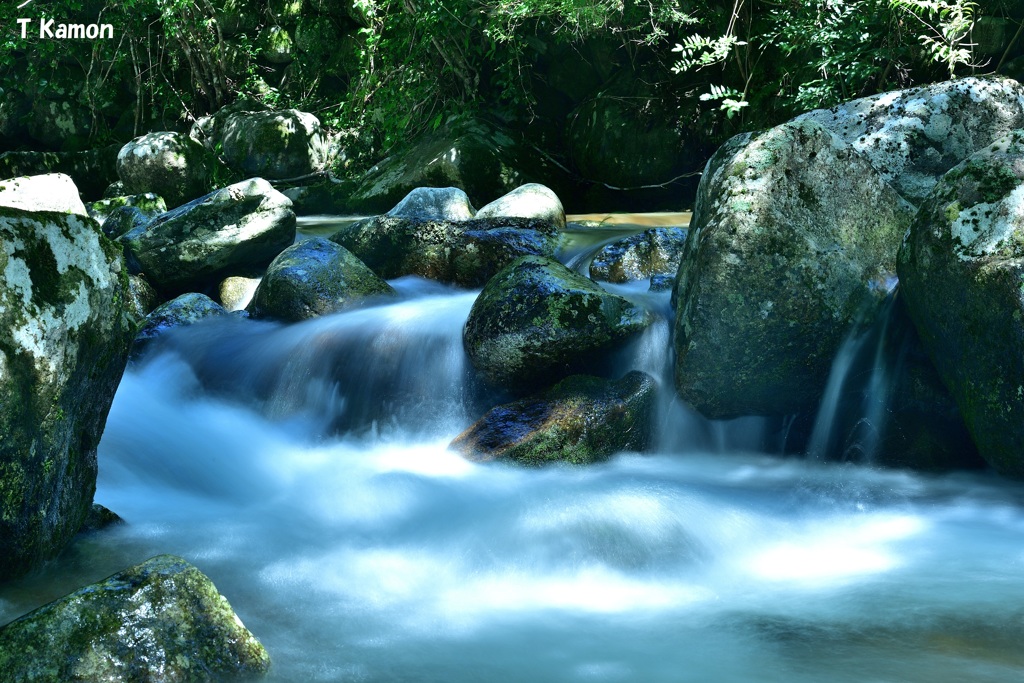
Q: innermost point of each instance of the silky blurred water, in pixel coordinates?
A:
(304, 469)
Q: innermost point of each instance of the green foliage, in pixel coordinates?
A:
(947, 27)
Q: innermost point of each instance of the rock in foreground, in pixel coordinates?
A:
(159, 621)
(961, 271)
(580, 420)
(64, 338)
(536, 321)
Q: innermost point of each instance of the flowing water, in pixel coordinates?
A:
(304, 469)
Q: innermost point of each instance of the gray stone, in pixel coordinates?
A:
(64, 338)
(171, 165)
(532, 200)
(313, 278)
(162, 620)
(580, 420)
(793, 237)
(536, 321)
(182, 311)
(241, 226)
(914, 136)
(961, 270)
(434, 204)
(48, 192)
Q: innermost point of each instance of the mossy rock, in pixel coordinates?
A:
(182, 311)
(64, 336)
(148, 204)
(313, 278)
(168, 164)
(580, 420)
(275, 45)
(194, 246)
(531, 200)
(962, 272)
(271, 144)
(793, 239)
(537, 321)
(162, 620)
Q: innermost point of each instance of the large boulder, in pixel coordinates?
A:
(467, 252)
(434, 204)
(172, 165)
(162, 620)
(47, 192)
(312, 278)
(914, 136)
(536, 322)
(961, 270)
(793, 235)
(188, 248)
(64, 339)
(580, 420)
(273, 144)
(657, 251)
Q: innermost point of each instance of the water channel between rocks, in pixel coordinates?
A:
(304, 468)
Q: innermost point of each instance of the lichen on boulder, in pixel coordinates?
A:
(171, 165)
(162, 620)
(580, 420)
(312, 278)
(47, 192)
(962, 272)
(64, 338)
(276, 144)
(536, 321)
(794, 235)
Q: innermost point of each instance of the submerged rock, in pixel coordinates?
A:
(914, 136)
(192, 247)
(793, 235)
(536, 321)
(657, 251)
(312, 278)
(49, 192)
(961, 273)
(580, 420)
(100, 518)
(182, 311)
(64, 338)
(172, 165)
(466, 252)
(162, 620)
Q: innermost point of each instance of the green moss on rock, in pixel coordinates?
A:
(162, 620)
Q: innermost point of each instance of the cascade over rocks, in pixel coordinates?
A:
(192, 247)
(644, 255)
(162, 620)
(794, 232)
(312, 278)
(64, 339)
(914, 136)
(961, 270)
(48, 192)
(537, 321)
(172, 165)
(580, 420)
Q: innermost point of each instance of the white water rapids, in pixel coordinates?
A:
(304, 469)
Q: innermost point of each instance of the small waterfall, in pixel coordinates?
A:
(852, 418)
(372, 368)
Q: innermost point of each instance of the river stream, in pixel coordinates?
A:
(304, 469)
